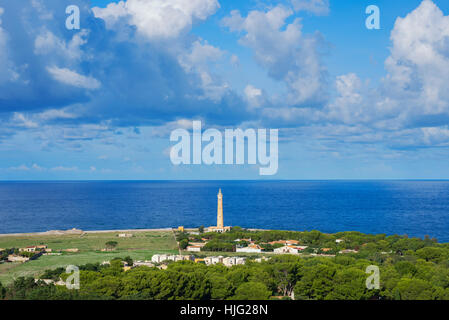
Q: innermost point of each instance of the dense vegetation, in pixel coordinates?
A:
(410, 268)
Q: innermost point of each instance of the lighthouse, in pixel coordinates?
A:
(220, 225)
(219, 209)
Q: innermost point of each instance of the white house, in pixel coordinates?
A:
(289, 249)
(158, 258)
(252, 248)
(229, 261)
(194, 248)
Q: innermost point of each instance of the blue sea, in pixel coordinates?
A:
(415, 208)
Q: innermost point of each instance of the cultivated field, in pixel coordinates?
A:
(140, 247)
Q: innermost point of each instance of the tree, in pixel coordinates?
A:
(111, 244)
(252, 291)
(201, 229)
(415, 289)
(2, 291)
(183, 244)
(221, 288)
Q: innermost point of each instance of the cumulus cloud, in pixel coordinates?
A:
(418, 67)
(318, 7)
(157, 19)
(72, 78)
(285, 51)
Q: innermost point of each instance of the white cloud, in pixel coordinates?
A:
(47, 43)
(62, 168)
(318, 7)
(418, 67)
(7, 70)
(158, 18)
(286, 53)
(20, 120)
(254, 96)
(72, 78)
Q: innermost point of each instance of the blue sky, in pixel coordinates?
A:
(100, 102)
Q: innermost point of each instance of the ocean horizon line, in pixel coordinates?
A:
(218, 180)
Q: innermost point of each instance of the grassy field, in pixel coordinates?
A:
(140, 247)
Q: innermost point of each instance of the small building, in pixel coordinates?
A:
(339, 240)
(158, 258)
(194, 248)
(34, 248)
(229, 261)
(125, 235)
(74, 250)
(141, 263)
(289, 249)
(46, 281)
(252, 248)
(326, 249)
(348, 251)
(16, 258)
(181, 229)
(240, 260)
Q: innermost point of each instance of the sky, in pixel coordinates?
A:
(100, 102)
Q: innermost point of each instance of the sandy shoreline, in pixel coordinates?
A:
(68, 232)
(79, 232)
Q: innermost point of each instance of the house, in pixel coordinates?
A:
(16, 258)
(240, 260)
(181, 229)
(252, 248)
(74, 250)
(141, 263)
(33, 248)
(216, 260)
(348, 251)
(158, 258)
(285, 242)
(194, 248)
(125, 235)
(46, 281)
(289, 249)
(339, 240)
(230, 261)
(326, 249)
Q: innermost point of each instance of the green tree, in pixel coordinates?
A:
(252, 291)
(183, 244)
(111, 244)
(415, 289)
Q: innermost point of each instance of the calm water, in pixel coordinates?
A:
(416, 208)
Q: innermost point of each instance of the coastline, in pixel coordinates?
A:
(80, 232)
(61, 233)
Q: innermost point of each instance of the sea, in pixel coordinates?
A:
(415, 208)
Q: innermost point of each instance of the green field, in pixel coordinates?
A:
(140, 247)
